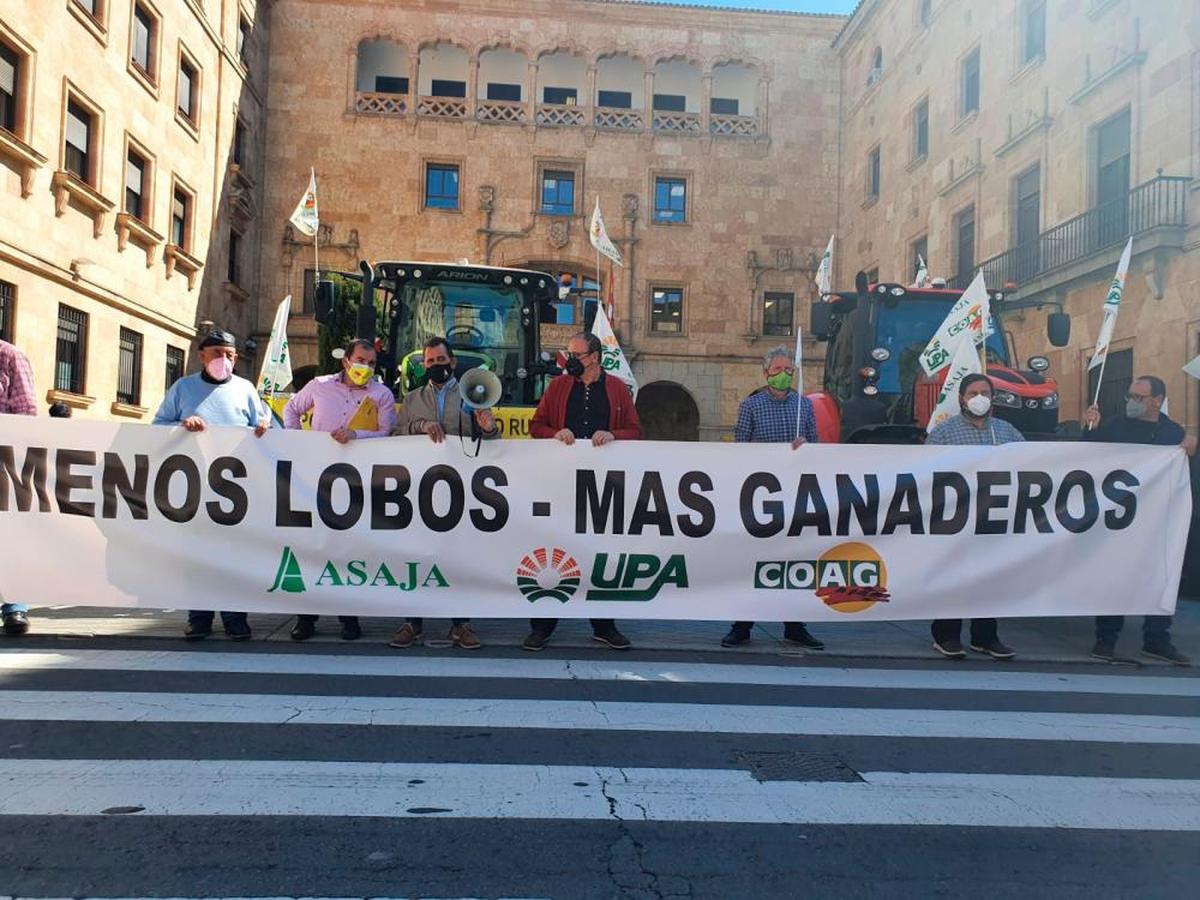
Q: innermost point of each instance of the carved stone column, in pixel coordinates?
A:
(706, 103)
(648, 112)
(591, 101)
(472, 85)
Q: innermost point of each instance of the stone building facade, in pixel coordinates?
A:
(130, 175)
(1029, 138)
(487, 130)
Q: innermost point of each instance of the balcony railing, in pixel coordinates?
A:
(619, 119)
(375, 104)
(442, 107)
(733, 126)
(679, 122)
(556, 115)
(1158, 203)
(500, 111)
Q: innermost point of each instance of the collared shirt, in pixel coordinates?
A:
(764, 419)
(16, 382)
(959, 430)
(587, 408)
(442, 393)
(334, 403)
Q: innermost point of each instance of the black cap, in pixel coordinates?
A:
(218, 339)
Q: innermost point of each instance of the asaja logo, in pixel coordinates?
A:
(849, 578)
(548, 573)
(354, 573)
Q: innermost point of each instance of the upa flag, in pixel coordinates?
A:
(964, 362)
(1112, 305)
(612, 358)
(1193, 368)
(276, 372)
(972, 315)
(922, 273)
(598, 235)
(825, 270)
(305, 216)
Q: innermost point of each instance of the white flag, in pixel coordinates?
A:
(305, 216)
(922, 273)
(825, 270)
(971, 314)
(1112, 305)
(599, 236)
(276, 372)
(612, 358)
(1193, 368)
(964, 362)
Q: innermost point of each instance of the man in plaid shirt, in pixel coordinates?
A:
(16, 398)
(775, 414)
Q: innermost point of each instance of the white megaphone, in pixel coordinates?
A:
(479, 389)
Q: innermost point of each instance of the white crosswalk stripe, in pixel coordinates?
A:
(127, 689)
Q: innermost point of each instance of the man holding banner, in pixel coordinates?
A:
(214, 396)
(776, 414)
(584, 404)
(973, 425)
(349, 405)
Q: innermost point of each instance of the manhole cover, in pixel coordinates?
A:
(795, 765)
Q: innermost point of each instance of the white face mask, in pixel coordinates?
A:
(979, 405)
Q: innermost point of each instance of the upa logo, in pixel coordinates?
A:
(356, 573)
(548, 572)
(635, 576)
(848, 578)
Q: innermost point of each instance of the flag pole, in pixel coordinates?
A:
(799, 363)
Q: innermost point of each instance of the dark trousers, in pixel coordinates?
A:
(312, 620)
(205, 617)
(983, 631)
(1156, 630)
(746, 626)
(418, 624)
(547, 626)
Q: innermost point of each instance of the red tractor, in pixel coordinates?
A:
(875, 390)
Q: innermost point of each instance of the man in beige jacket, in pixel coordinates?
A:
(436, 410)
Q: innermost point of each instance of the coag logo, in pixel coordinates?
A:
(849, 578)
(548, 572)
(356, 573)
(635, 576)
(973, 320)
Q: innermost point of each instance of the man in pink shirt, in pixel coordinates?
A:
(349, 405)
(16, 398)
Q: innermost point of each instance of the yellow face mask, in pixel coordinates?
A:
(360, 373)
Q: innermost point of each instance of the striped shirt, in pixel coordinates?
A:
(16, 382)
(959, 430)
(762, 419)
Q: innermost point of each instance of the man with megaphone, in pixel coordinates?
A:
(442, 406)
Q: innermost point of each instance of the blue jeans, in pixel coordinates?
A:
(7, 608)
(1156, 630)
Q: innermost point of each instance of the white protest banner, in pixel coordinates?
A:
(276, 372)
(612, 357)
(293, 522)
(598, 235)
(964, 362)
(972, 313)
(305, 216)
(1193, 368)
(825, 270)
(1112, 306)
(922, 279)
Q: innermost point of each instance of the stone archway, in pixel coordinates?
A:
(668, 412)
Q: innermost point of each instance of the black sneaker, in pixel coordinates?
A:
(238, 631)
(994, 649)
(1105, 650)
(798, 636)
(951, 647)
(613, 638)
(536, 640)
(197, 631)
(1167, 653)
(736, 638)
(303, 629)
(16, 623)
(351, 630)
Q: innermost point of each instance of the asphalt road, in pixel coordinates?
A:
(141, 768)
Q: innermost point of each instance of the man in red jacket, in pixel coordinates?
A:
(584, 404)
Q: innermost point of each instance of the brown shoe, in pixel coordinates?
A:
(405, 637)
(462, 636)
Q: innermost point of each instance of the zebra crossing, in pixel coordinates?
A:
(197, 748)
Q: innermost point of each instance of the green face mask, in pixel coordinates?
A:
(781, 381)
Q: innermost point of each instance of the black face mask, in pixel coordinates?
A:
(440, 373)
(574, 367)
